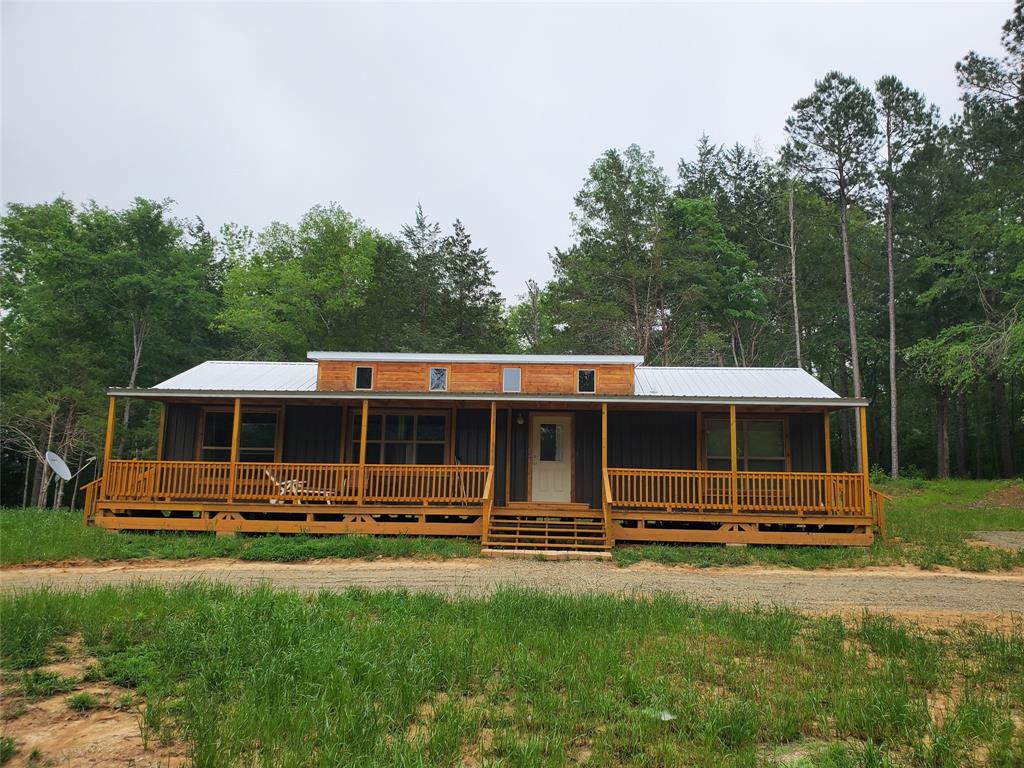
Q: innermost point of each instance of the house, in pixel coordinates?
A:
(523, 451)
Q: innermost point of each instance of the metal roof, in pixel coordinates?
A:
(426, 357)
(221, 375)
(708, 386)
(769, 383)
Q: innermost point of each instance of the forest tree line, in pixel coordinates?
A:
(881, 248)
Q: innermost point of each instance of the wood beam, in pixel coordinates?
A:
(236, 427)
(733, 462)
(492, 436)
(108, 443)
(362, 450)
(862, 412)
(827, 442)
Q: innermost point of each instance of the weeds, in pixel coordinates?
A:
(83, 701)
(522, 678)
(40, 683)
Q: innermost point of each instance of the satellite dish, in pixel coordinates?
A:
(58, 465)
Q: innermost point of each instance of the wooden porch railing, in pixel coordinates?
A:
(156, 481)
(878, 499)
(836, 493)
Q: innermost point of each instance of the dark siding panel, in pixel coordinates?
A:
(807, 442)
(588, 458)
(180, 427)
(520, 455)
(473, 445)
(312, 433)
(652, 440)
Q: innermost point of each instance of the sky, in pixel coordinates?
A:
(253, 113)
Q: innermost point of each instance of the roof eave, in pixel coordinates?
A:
(157, 394)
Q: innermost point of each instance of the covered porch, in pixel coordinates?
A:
(512, 472)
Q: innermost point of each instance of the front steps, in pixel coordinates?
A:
(556, 530)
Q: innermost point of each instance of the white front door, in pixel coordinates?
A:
(551, 458)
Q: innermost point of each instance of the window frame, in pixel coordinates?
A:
(519, 371)
(200, 440)
(430, 377)
(355, 378)
(742, 441)
(582, 391)
(353, 426)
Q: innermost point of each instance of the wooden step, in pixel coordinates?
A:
(542, 528)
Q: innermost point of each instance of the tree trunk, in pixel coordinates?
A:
(44, 468)
(1002, 408)
(942, 436)
(961, 436)
(851, 308)
(894, 439)
(792, 274)
(28, 476)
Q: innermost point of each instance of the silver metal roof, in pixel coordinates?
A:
(223, 375)
(789, 383)
(426, 357)
(706, 386)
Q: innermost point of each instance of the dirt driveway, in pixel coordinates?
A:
(932, 597)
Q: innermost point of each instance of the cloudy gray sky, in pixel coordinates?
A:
(489, 113)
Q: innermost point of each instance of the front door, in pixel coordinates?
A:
(551, 450)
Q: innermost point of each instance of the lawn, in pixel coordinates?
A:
(929, 526)
(266, 678)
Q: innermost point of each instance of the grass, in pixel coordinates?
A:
(929, 526)
(42, 535)
(83, 701)
(256, 677)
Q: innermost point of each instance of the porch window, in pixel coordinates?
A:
(438, 379)
(586, 380)
(393, 438)
(364, 377)
(257, 436)
(760, 445)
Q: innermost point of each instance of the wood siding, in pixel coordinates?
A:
(472, 443)
(652, 439)
(806, 441)
(180, 425)
(312, 433)
(474, 378)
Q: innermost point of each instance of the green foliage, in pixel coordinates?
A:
(387, 678)
(83, 701)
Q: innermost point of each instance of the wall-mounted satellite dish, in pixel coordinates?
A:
(58, 465)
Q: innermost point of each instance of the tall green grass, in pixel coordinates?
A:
(266, 678)
(930, 524)
(42, 535)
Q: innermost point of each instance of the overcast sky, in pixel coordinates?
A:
(488, 113)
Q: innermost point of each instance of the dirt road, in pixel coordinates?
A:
(934, 597)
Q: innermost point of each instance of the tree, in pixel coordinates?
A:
(833, 140)
(907, 125)
(294, 290)
(472, 307)
(608, 285)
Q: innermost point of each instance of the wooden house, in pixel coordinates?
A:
(522, 451)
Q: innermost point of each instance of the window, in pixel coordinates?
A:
(257, 436)
(398, 438)
(586, 380)
(760, 444)
(364, 377)
(438, 379)
(512, 380)
(550, 442)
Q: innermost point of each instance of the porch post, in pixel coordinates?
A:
(827, 443)
(160, 435)
(108, 443)
(491, 435)
(865, 470)
(236, 425)
(733, 481)
(362, 451)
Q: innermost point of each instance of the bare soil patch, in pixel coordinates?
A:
(1010, 497)
(47, 731)
(1013, 540)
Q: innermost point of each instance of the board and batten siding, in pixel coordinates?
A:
(181, 421)
(312, 434)
(474, 378)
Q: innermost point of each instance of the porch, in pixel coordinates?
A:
(480, 499)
